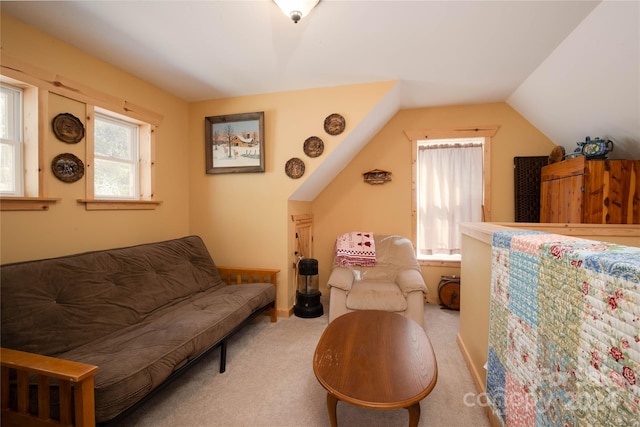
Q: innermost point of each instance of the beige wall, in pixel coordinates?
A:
(349, 204)
(473, 338)
(67, 227)
(246, 218)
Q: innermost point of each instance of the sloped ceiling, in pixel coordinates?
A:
(569, 67)
(590, 84)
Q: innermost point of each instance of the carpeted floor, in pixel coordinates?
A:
(270, 382)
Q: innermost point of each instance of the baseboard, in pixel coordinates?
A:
(477, 379)
(285, 313)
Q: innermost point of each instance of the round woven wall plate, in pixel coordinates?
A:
(313, 146)
(67, 167)
(68, 128)
(334, 124)
(294, 168)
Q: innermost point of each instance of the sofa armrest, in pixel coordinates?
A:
(342, 278)
(67, 373)
(240, 275)
(410, 280)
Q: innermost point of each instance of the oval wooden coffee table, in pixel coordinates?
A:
(375, 359)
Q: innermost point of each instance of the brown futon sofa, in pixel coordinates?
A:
(140, 314)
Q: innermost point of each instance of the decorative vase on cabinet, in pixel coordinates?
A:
(591, 191)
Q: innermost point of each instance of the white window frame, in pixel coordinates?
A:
(15, 139)
(133, 162)
(146, 160)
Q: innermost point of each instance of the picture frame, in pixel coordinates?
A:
(234, 143)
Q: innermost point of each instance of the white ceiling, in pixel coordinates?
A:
(441, 52)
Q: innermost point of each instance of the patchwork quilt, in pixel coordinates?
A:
(564, 333)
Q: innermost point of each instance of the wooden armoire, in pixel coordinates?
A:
(591, 191)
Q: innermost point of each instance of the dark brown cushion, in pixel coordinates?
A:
(55, 305)
(136, 359)
(138, 313)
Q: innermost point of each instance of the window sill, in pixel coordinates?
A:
(110, 204)
(438, 263)
(26, 203)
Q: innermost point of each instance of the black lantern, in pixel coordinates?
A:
(307, 295)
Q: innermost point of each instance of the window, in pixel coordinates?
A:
(11, 147)
(123, 152)
(116, 158)
(125, 176)
(449, 191)
(22, 148)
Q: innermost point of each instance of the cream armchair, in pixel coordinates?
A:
(395, 283)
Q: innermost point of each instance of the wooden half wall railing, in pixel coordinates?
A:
(75, 383)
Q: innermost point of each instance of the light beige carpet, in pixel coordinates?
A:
(270, 382)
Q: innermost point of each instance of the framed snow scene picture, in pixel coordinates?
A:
(234, 143)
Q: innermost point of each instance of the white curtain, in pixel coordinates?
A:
(450, 188)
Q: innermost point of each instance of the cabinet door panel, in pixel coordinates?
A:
(595, 189)
(606, 192)
(570, 199)
(617, 188)
(610, 192)
(633, 206)
(549, 203)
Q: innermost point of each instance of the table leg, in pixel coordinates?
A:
(332, 403)
(414, 414)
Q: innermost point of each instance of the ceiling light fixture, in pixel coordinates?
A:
(296, 9)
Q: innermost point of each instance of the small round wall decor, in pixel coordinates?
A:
(294, 168)
(68, 128)
(313, 146)
(334, 124)
(67, 167)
